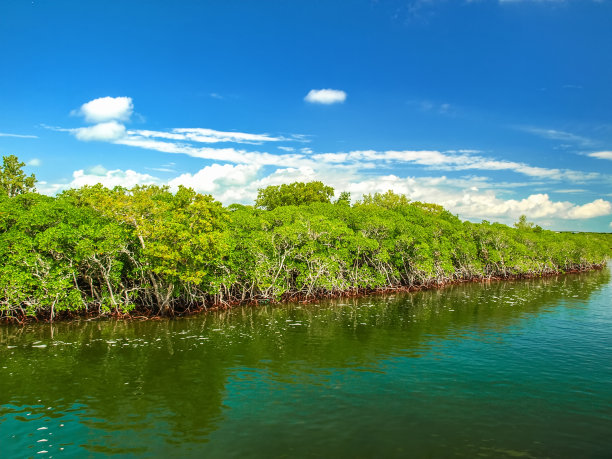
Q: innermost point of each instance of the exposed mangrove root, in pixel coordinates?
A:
(140, 314)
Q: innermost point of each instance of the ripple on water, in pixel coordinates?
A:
(468, 371)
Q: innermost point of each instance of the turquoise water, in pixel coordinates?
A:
(508, 369)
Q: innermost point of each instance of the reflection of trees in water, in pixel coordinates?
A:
(361, 330)
(128, 375)
(172, 374)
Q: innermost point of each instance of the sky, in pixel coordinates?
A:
(491, 108)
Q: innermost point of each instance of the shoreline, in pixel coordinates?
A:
(295, 297)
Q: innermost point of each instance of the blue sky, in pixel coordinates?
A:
(492, 108)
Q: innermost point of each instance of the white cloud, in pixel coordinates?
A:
(157, 134)
(19, 136)
(596, 208)
(160, 169)
(325, 96)
(202, 135)
(240, 183)
(228, 154)
(236, 174)
(450, 161)
(220, 180)
(535, 206)
(99, 174)
(110, 178)
(106, 109)
(34, 162)
(432, 107)
(472, 198)
(469, 203)
(457, 195)
(554, 134)
(601, 155)
(105, 132)
(184, 140)
(98, 170)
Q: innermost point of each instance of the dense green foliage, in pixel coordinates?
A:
(13, 180)
(97, 250)
(294, 194)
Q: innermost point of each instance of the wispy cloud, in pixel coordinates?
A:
(202, 135)
(455, 160)
(554, 134)
(186, 140)
(572, 191)
(160, 169)
(601, 155)
(19, 136)
(451, 160)
(325, 96)
(432, 107)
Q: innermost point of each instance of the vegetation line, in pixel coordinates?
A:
(147, 251)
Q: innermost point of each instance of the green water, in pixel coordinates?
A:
(512, 369)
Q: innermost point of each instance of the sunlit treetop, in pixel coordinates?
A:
(294, 194)
(13, 180)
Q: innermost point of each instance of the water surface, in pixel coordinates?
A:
(509, 369)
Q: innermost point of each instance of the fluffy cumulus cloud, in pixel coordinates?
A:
(110, 178)
(107, 115)
(227, 182)
(99, 174)
(597, 208)
(601, 155)
(473, 198)
(106, 109)
(461, 197)
(103, 132)
(240, 183)
(325, 96)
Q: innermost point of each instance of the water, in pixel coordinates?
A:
(511, 369)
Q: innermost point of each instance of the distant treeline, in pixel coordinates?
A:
(99, 251)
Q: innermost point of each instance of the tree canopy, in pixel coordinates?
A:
(13, 180)
(294, 194)
(99, 250)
